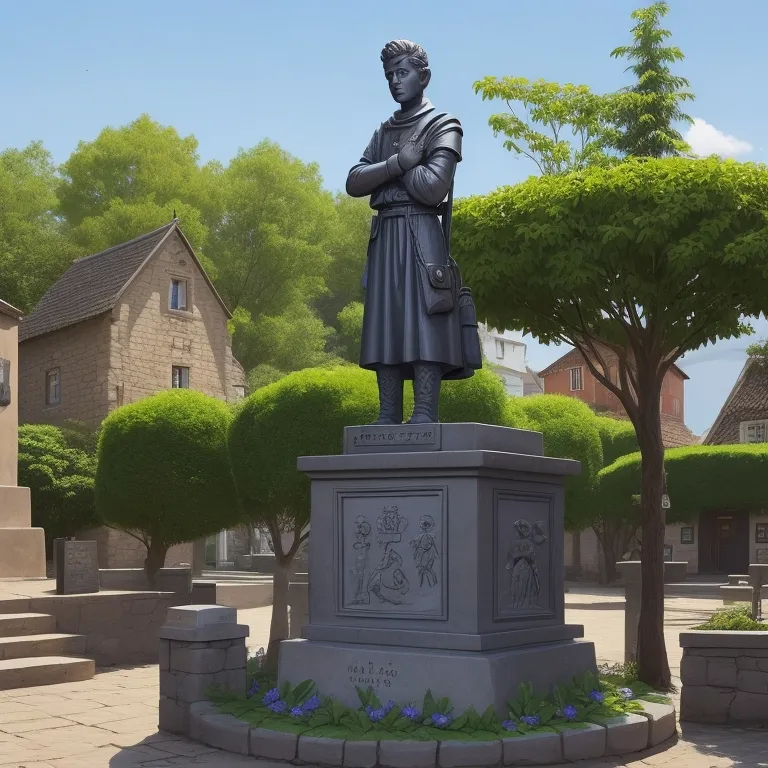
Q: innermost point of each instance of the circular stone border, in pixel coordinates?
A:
(617, 736)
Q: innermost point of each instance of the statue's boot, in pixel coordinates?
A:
(427, 378)
(390, 381)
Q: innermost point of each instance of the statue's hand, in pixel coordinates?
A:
(411, 154)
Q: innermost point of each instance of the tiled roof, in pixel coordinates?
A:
(674, 433)
(91, 285)
(532, 383)
(574, 358)
(748, 401)
(9, 309)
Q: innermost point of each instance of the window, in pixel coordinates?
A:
(53, 387)
(499, 349)
(180, 377)
(754, 431)
(676, 406)
(178, 295)
(577, 379)
(239, 391)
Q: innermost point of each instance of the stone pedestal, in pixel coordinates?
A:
(437, 564)
(22, 547)
(200, 646)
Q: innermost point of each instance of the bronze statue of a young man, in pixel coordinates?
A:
(414, 306)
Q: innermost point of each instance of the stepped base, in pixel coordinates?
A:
(23, 552)
(405, 674)
(41, 645)
(18, 624)
(44, 670)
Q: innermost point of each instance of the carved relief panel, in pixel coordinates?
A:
(522, 556)
(391, 553)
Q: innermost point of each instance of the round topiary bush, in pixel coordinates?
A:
(163, 471)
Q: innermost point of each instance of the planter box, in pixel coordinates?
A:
(725, 677)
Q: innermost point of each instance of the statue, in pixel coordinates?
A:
(419, 322)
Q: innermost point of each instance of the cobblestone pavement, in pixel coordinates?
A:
(111, 721)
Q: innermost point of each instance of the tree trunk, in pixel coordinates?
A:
(653, 665)
(155, 560)
(606, 536)
(576, 549)
(278, 628)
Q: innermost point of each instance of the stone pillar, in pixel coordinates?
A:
(758, 575)
(298, 603)
(223, 561)
(630, 574)
(200, 646)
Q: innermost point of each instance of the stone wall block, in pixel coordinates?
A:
(173, 717)
(361, 754)
(272, 745)
(168, 684)
(721, 673)
(191, 688)
(313, 749)
(753, 681)
(749, 707)
(705, 704)
(468, 754)
(407, 754)
(534, 749)
(693, 669)
(237, 656)
(225, 732)
(200, 662)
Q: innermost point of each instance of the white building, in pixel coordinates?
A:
(506, 356)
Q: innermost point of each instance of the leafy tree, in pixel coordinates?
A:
(268, 244)
(34, 251)
(59, 466)
(290, 341)
(617, 437)
(645, 113)
(759, 351)
(560, 128)
(261, 376)
(142, 162)
(350, 323)
(163, 472)
(650, 259)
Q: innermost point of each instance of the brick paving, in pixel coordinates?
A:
(111, 720)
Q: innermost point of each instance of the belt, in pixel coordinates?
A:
(409, 210)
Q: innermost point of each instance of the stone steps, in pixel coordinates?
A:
(44, 670)
(53, 644)
(17, 624)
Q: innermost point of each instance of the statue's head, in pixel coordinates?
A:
(406, 68)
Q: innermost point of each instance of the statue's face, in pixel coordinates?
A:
(404, 80)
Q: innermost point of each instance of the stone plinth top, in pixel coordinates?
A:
(191, 616)
(468, 436)
(435, 461)
(723, 639)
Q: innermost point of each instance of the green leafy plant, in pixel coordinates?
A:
(736, 618)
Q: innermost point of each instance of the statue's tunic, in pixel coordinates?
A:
(396, 327)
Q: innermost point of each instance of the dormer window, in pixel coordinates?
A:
(178, 295)
(754, 431)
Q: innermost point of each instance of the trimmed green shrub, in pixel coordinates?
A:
(737, 618)
(618, 438)
(163, 471)
(60, 474)
(481, 399)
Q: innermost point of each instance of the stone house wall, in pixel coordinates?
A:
(119, 550)
(81, 353)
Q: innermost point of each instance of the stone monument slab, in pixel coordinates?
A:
(77, 567)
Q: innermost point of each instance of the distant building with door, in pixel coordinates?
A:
(121, 325)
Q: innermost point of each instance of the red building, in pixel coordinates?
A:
(570, 375)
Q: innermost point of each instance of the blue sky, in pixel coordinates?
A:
(306, 73)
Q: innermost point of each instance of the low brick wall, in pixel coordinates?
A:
(724, 677)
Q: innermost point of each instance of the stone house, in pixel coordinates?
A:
(120, 325)
(505, 355)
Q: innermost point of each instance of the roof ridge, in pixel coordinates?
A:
(127, 242)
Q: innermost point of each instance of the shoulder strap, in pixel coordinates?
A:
(426, 123)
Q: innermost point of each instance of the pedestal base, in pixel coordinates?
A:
(404, 674)
(22, 553)
(15, 507)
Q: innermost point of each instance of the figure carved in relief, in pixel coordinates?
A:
(524, 585)
(390, 526)
(388, 582)
(425, 551)
(361, 546)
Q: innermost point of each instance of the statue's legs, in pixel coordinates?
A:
(390, 380)
(427, 378)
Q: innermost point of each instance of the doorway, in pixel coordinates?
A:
(724, 542)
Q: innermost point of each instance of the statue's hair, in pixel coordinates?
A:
(396, 49)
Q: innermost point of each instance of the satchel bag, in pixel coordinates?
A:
(438, 286)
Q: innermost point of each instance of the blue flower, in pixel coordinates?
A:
(311, 704)
(271, 696)
(569, 712)
(254, 689)
(297, 712)
(278, 707)
(596, 696)
(368, 709)
(627, 693)
(439, 720)
(532, 720)
(377, 714)
(389, 706)
(411, 713)
(509, 725)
